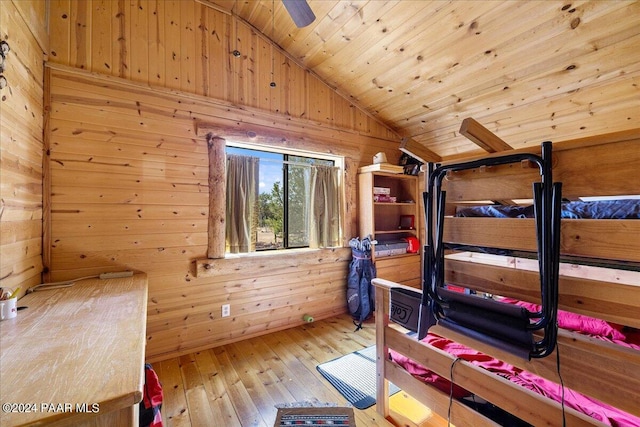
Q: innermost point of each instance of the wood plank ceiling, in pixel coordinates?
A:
(527, 70)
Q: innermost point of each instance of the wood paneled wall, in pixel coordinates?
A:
(130, 191)
(187, 46)
(21, 144)
(129, 167)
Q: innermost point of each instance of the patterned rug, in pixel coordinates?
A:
(354, 375)
(315, 416)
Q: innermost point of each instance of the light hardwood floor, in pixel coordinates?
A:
(240, 384)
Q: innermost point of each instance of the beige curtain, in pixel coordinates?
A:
(242, 203)
(325, 207)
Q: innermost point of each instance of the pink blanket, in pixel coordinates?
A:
(593, 327)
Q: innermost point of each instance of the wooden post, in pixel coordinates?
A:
(482, 136)
(418, 151)
(382, 321)
(217, 196)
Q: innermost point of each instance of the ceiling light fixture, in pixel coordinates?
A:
(300, 12)
(234, 15)
(273, 13)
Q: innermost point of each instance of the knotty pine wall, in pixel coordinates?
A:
(129, 83)
(185, 45)
(22, 25)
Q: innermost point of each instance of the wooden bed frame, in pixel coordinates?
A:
(601, 166)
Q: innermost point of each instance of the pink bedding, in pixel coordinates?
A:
(590, 326)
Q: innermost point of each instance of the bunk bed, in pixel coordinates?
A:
(592, 376)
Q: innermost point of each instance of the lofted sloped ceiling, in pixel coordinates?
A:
(526, 70)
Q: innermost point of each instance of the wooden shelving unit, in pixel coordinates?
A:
(382, 220)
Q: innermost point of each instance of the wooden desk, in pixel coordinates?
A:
(75, 356)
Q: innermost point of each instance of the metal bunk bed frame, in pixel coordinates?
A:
(503, 325)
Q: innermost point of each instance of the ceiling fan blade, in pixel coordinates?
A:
(300, 12)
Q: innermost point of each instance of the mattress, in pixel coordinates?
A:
(583, 324)
(606, 209)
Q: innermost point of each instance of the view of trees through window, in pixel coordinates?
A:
(284, 198)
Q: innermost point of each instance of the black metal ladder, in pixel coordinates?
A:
(506, 326)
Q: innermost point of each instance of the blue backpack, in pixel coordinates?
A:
(360, 293)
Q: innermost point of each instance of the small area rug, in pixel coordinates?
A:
(315, 416)
(354, 375)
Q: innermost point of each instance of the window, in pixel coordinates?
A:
(281, 200)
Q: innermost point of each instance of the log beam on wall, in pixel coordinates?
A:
(217, 197)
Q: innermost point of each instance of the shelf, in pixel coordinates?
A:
(411, 231)
(407, 255)
(394, 203)
(382, 219)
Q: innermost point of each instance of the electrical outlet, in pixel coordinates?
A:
(226, 310)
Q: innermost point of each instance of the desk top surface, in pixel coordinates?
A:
(73, 348)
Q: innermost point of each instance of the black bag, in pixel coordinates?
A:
(360, 293)
(150, 415)
(411, 164)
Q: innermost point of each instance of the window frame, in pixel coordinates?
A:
(338, 161)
